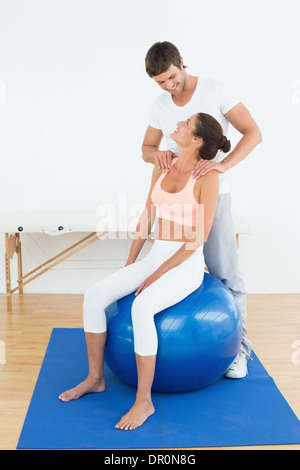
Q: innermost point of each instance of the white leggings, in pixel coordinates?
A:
(170, 288)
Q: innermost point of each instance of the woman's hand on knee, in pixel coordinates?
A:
(128, 262)
(156, 275)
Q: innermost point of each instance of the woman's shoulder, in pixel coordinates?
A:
(208, 182)
(211, 178)
(211, 175)
(156, 173)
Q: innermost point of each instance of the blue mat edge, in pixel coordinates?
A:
(258, 443)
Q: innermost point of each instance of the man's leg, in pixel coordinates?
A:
(221, 258)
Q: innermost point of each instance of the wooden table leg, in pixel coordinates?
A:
(19, 255)
(7, 274)
(237, 240)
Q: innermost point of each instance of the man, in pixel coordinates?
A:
(185, 95)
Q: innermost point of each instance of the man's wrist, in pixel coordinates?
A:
(226, 164)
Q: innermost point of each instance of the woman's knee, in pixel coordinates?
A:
(98, 292)
(93, 299)
(145, 336)
(94, 318)
(90, 295)
(136, 309)
(140, 311)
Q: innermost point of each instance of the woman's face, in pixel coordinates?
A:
(184, 134)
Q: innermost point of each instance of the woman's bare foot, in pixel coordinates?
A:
(89, 385)
(136, 416)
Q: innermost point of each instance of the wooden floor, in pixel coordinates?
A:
(273, 328)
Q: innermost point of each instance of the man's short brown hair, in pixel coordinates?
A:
(160, 57)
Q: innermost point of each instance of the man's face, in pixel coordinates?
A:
(172, 80)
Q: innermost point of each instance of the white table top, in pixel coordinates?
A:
(60, 222)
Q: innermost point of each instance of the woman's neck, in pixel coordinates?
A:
(186, 160)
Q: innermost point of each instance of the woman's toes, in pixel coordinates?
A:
(120, 424)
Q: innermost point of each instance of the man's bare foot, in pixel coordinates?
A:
(89, 385)
(136, 416)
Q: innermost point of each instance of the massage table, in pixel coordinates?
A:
(58, 223)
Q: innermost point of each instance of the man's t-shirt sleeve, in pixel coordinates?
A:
(227, 98)
(154, 116)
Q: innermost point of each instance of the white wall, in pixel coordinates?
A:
(75, 101)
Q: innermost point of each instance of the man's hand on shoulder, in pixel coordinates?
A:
(163, 159)
(205, 166)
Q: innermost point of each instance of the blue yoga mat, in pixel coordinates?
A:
(245, 412)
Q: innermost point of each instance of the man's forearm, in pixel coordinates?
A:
(244, 147)
(148, 153)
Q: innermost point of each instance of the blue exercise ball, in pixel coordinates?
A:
(198, 338)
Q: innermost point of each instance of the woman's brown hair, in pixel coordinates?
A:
(211, 131)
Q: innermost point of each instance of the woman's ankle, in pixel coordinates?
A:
(144, 397)
(95, 377)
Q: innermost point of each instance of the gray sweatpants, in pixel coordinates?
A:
(221, 259)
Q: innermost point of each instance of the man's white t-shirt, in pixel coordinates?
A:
(211, 97)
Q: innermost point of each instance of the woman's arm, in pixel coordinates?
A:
(145, 222)
(209, 194)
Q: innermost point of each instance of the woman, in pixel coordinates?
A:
(184, 208)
